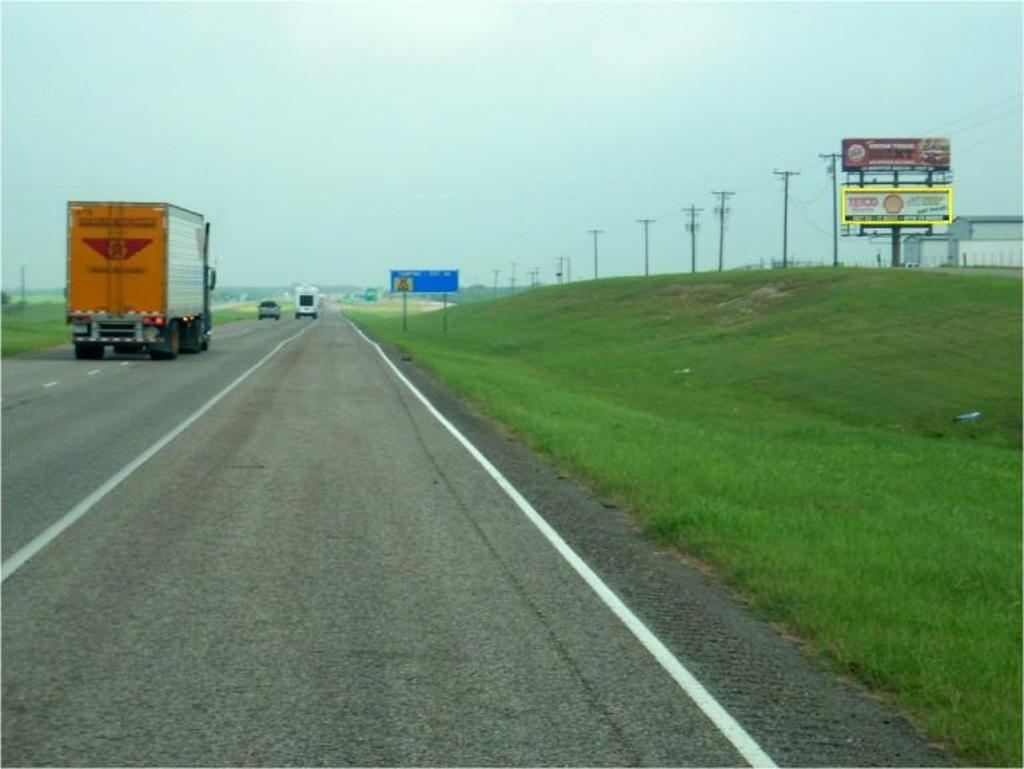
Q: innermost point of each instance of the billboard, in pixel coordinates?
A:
(897, 205)
(424, 281)
(896, 154)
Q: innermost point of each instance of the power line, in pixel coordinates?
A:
(800, 209)
(946, 126)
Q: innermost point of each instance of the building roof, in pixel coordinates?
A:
(991, 219)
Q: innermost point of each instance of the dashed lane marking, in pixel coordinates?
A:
(16, 561)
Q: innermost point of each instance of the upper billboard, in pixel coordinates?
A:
(896, 154)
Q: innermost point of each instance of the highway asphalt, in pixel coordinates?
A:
(317, 573)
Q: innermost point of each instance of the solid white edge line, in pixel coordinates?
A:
(53, 531)
(723, 721)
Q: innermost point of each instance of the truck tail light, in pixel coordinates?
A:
(153, 320)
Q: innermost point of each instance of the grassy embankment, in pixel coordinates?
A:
(795, 431)
(41, 324)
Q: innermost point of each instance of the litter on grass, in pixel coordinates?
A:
(968, 417)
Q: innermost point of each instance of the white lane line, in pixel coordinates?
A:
(17, 560)
(51, 384)
(718, 715)
(126, 363)
(94, 372)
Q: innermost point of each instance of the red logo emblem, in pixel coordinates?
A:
(117, 248)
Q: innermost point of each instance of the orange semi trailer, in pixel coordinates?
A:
(139, 279)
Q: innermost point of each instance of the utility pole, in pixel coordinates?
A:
(595, 233)
(785, 211)
(692, 227)
(559, 261)
(835, 204)
(646, 223)
(513, 279)
(721, 210)
(496, 273)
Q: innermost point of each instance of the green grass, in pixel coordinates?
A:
(795, 430)
(32, 326)
(41, 324)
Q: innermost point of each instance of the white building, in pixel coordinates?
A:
(970, 241)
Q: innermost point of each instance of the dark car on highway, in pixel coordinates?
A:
(269, 309)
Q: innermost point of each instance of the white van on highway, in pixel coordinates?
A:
(307, 302)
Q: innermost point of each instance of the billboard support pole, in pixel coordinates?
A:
(444, 311)
(405, 315)
(896, 258)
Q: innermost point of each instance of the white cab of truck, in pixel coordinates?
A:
(307, 302)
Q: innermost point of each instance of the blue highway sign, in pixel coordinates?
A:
(424, 281)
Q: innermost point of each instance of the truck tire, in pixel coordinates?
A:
(88, 351)
(191, 338)
(173, 344)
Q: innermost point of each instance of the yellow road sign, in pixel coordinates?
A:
(402, 284)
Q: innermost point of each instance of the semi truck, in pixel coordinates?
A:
(139, 279)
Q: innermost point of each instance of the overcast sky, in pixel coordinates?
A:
(331, 142)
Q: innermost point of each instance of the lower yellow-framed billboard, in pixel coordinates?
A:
(897, 205)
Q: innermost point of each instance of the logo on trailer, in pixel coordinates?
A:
(117, 249)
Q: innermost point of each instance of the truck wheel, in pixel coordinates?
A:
(172, 344)
(191, 341)
(88, 351)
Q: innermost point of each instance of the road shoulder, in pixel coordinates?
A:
(797, 711)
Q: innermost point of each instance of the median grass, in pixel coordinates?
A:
(795, 430)
(32, 326)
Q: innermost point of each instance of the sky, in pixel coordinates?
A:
(329, 143)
